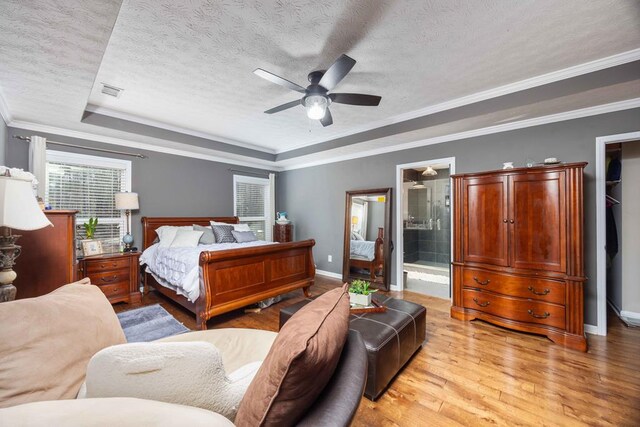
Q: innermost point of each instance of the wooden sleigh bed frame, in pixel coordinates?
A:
(376, 263)
(235, 278)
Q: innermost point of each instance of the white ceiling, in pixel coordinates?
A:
(188, 65)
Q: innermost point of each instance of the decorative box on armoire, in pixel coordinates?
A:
(283, 233)
(48, 258)
(518, 250)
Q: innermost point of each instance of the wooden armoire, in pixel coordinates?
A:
(518, 250)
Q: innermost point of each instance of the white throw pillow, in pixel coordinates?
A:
(187, 373)
(167, 233)
(186, 239)
(241, 227)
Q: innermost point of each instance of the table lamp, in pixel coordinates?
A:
(127, 202)
(20, 210)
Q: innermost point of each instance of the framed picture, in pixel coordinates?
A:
(91, 247)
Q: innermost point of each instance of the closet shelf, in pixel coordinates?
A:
(611, 201)
(613, 183)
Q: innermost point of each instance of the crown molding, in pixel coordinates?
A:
(161, 125)
(537, 121)
(4, 110)
(173, 148)
(543, 79)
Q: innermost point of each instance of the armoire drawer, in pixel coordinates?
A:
(523, 287)
(519, 309)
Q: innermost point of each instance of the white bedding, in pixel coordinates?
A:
(177, 268)
(363, 249)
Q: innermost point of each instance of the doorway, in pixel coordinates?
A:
(424, 227)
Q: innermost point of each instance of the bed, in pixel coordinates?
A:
(234, 278)
(367, 254)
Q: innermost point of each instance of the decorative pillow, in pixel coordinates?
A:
(167, 233)
(187, 373)
(186, 239)
(356, 236)
(300, 363)
(241, 227)
(207, 234)
(244, 236)
(48, 341)
(223, 233)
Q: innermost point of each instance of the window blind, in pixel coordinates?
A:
(251, 204)
(89, 189)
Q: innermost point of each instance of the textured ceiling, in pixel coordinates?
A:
(189, 64)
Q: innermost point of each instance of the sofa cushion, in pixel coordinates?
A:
(121, 412)
(300, 363)
(47, 342)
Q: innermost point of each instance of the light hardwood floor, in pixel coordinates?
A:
(473, 373)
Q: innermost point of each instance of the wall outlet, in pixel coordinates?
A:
(330, 258)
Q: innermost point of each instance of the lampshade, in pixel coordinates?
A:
(316, 106)
(20, 209)
(127, 201)
(429, 171)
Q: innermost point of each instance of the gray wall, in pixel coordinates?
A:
(167, 185)
(375, 219)
(4, 134)
(314, 197)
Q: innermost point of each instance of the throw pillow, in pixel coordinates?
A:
(223, 233)
(48, 341)
(300, 363)
(241, 227)
(207, 234)
(244, 236)
(167, 233)
(186, 239)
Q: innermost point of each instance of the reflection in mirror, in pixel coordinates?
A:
(367, 226)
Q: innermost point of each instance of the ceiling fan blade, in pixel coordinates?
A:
(336, 72)
(355, 99)
(283, 107)
(327, 119)
(278, 80)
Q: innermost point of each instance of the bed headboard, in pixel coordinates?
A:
(150, 224)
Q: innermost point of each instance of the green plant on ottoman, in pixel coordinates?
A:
(360, 293)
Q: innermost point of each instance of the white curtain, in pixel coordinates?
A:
(272, 202)
(38, 162)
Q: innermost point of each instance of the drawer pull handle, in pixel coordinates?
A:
(539, 316)
(545, 292)
(480, 303)
(482, 282)
(109, 279)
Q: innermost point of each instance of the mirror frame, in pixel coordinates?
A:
(387, 244)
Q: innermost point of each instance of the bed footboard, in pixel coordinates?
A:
(235, 278)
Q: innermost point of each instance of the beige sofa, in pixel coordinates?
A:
(48, 342)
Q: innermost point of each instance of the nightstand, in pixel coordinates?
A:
(283, 233)
(117, 275)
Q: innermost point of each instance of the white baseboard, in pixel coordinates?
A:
(591, 329)
(329, 274)
(630, 315)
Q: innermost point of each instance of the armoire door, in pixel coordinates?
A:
(537, 221)
(485, 227)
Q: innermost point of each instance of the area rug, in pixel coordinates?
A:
(149, 323)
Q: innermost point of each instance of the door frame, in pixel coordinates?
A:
(601, 225)
(399, 286)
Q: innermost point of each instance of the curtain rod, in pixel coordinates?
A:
(250, 172)
(123, 153)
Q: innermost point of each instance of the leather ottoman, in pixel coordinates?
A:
(391, 338)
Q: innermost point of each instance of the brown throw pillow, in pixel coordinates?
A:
(299, 365)
(46, 342)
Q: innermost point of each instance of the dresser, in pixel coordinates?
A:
(48, 258)
(518, 250)
(117, 275)
(283, 233)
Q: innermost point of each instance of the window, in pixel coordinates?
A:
(252, 204)
(87, 184)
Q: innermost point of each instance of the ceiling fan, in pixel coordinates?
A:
(316, 99)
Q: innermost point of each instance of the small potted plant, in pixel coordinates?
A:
(360, 293)
(90, 228)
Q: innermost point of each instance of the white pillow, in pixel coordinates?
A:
(186, 373)
(241, 227)
(186, 239)
(167, 233)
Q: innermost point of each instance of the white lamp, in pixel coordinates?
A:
(127, 202)
(19, 210)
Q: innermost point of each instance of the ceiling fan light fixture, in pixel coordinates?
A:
(316, 106)
(429, 171)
